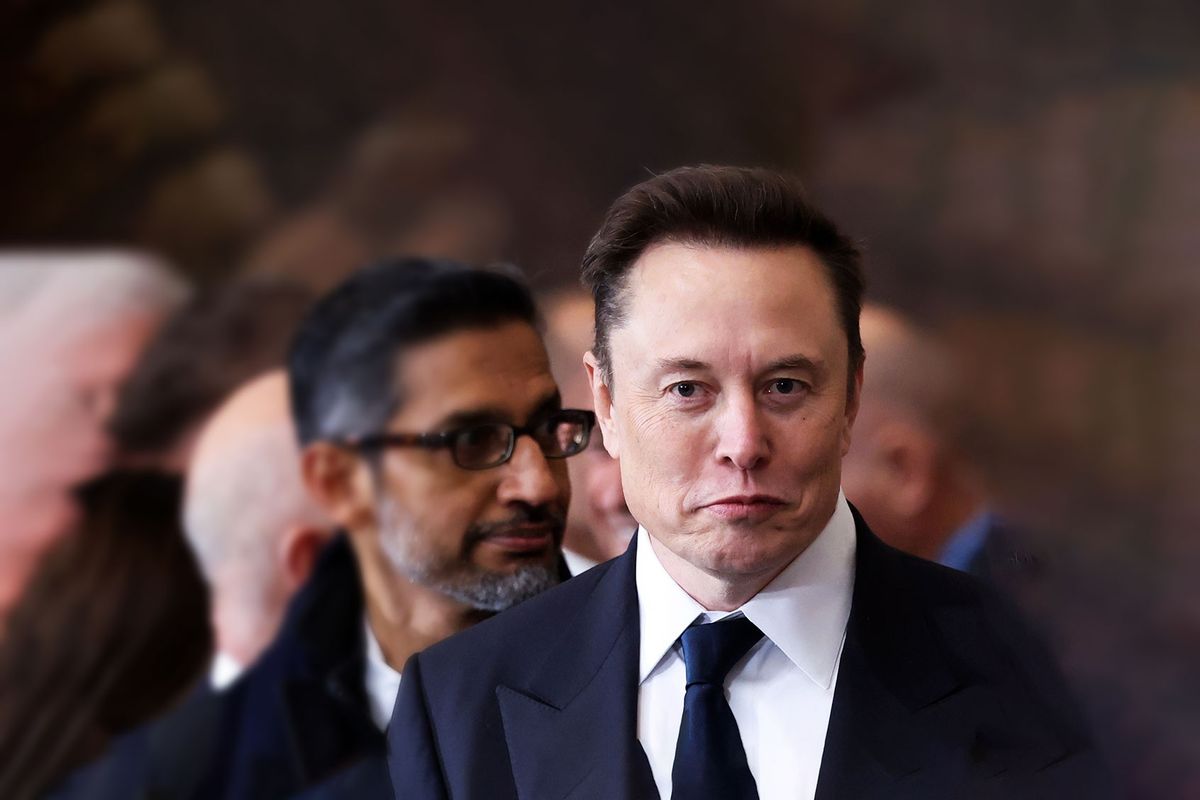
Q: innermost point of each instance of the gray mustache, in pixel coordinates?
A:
(552, 519)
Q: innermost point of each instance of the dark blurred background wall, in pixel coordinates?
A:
(1025, 173)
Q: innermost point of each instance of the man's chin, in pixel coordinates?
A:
(495, 591)
(736, 550)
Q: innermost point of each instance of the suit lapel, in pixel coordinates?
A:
(893, 667)
(571, 729)
(322, 696)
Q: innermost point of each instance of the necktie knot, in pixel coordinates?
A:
(710, 651)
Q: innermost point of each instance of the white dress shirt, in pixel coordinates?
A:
(383, 682)
(577, 564)
(224, 671)
(782, 692)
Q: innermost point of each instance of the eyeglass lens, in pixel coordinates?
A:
(490, 444)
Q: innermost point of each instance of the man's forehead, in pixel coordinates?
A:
(500, 369)
(735, 308)
(670, 281)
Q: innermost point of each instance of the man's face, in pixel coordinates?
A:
(599, 501)
(599, 523)
(729, 410)
(488, 538)
(66, 396)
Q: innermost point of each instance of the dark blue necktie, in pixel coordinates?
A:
(710, 762)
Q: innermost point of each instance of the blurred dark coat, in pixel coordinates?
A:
(1005, 558)
(166, 759)
(296, 722)
(941, 693)
(300, 715)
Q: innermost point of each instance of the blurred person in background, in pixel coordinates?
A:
(599, 525)
(222, 338)
(256, 535)
(71, 328)
(111, 631)
(432, 433)
(248, 518)
(909, 470)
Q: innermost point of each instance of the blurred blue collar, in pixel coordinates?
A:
(967, 541)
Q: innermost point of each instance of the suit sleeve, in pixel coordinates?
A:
(414, 763)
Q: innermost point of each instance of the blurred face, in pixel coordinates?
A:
(66, 398)
(488, 538)
(599, 524)
(729, 409)
(52, 419)
(598, 505)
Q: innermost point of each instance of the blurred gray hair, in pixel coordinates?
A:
(58, 294)
(239, 504)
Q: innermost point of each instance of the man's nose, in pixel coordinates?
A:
(529, 476)
(741, 438)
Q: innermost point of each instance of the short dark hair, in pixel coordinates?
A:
(716, 206)
(344, 360)
(223, 337)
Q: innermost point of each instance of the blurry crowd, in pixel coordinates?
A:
(218, 547)
(156, 521)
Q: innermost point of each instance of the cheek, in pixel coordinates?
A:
(437, 500)
(659, 469)
(563, 477)
(816, 444)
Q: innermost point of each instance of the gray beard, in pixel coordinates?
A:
(462, 581)
(487, 591)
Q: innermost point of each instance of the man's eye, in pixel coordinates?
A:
(684, 389)
(784, 386)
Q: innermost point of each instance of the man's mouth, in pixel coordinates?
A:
(744, 507)
(525, 538)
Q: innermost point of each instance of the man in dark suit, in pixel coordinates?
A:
(756, 640)
(433, 436)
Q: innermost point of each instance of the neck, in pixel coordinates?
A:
(241, 634)
(406, 617)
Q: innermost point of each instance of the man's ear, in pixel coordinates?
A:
(298, 551)
(910, 461)
(339, 481)
(602, 403)
(853, 399)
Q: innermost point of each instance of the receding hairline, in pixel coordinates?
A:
(621, 287)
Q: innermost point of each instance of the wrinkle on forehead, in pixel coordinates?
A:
(740, 309)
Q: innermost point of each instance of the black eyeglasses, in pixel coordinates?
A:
(560, 434)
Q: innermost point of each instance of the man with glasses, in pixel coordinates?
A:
(433, 435)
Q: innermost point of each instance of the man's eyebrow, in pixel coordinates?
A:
(680, 365)
(791, 362)
(551, 401)
(795, 362)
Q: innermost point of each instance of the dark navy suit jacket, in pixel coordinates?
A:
(941, 693)
(300, 716)
(296, 723)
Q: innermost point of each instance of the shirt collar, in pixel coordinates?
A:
(224, 671)
(383, 681)
(804, 610)
(967, 541)
(577, 564)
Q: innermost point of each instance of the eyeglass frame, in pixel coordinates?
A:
(447, 439)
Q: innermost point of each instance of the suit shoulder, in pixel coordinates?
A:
(926, 579)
